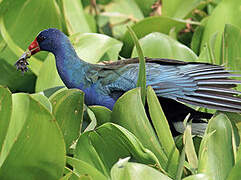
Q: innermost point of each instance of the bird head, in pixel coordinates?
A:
(46, 40)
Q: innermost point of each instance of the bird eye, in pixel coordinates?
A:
(40, 38)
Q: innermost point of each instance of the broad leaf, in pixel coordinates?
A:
(93, 147)
(158, 45)
(227, 12)
(32, 129)
(75, 17)
(161, 126)
(92, 47)
(130, 114)
(48, 76)
(124, 170)
(148, 25)
(5, 113)
(68, 111)
(216, 148)
(83, 168)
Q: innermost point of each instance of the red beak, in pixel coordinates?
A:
(34, 47)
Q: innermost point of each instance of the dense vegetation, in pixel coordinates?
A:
(46, 131)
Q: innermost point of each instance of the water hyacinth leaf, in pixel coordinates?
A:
(68, 111)
(235, 171)
(48, 76)
(15, 80)
(83, 168)
(205, 55)
(180, 167)
(23, 25)
(102, 114)
(189, 148)
(231, 49)
(235, 119)
(49, 92)
(196, 38)
(5, 113)
(178, 8)
(34, 64)
(227, 12)
(141, 82)
(75, 17)
(32, 128)
(216, 148)
(162, 127)
(92, 47)
(145, 6)
(124, 170)
(67, 176)
(158, 45)
(198, 177)
(129, 112)
(93, 147)
(85, 151)
(93, 121)
(148, 25)
(122, 13)
(43, 100)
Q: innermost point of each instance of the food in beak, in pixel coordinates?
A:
(22, 63)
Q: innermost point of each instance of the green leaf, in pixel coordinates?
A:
(235, 172)
(43, 100)
(161, 126)
(235, 119)
(85, 151)
(124, 170)
(83, 168)
(231, 49)
(197, 39)
(32, 129)
(102, 114)
(148, 25)
(198, 177)
(93, 147)
(5, 113)
(129, 112)
(74, 17)
(122, 13)
(178, 8)
(15, 80)
(216, 148)
(34, 64)
(23, 25)
(180, 167)
(141, 82)
(145, 6)
(158, 45)
(48, 76)
(92, 47)
(67, 176)
(189, 148)
(93, 121)
(227, 12)
(68, 111)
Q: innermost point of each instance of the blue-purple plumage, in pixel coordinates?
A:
(175, 82)
(200, 84)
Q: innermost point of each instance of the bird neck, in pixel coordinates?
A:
(70, 67)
